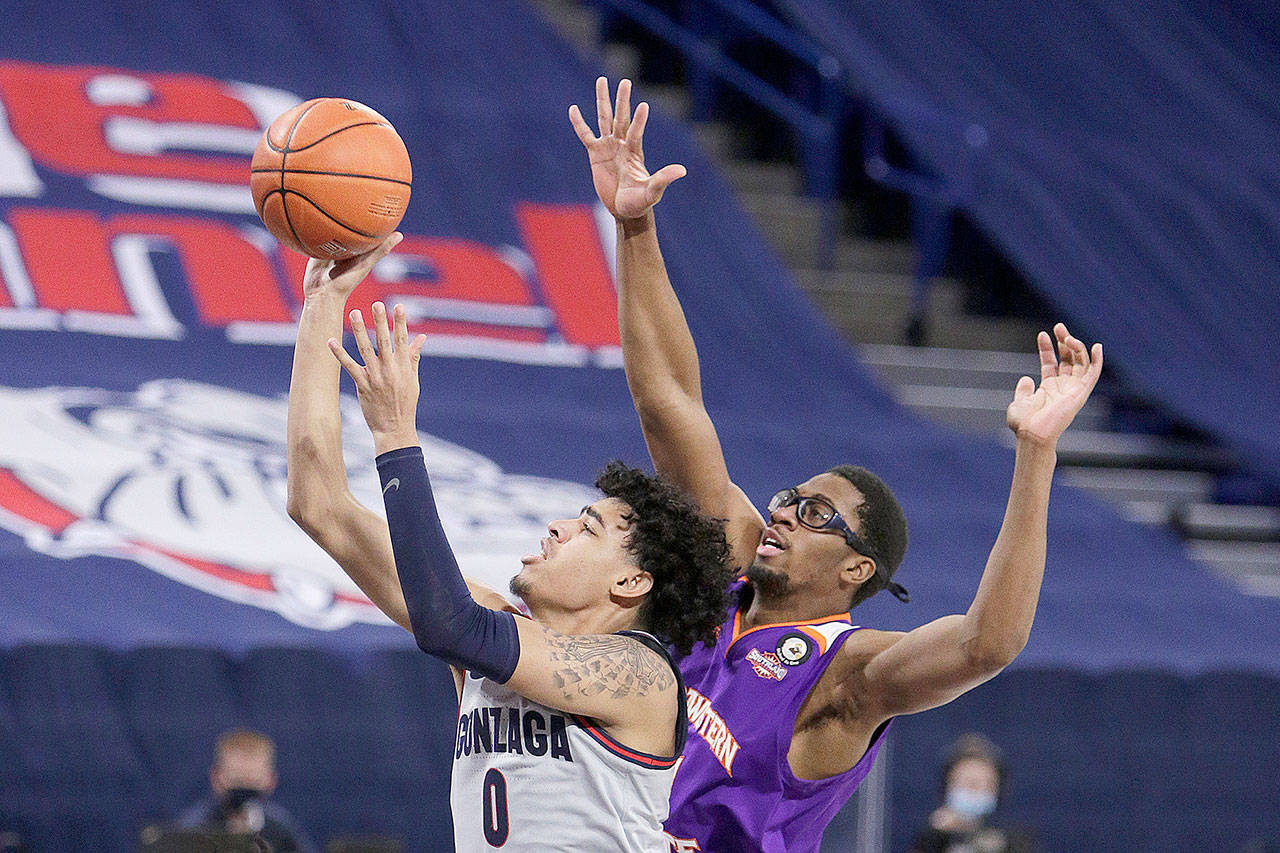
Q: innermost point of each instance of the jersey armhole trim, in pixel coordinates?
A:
(635, 756)
(790, 780)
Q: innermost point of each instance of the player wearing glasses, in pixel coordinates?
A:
(787, 712)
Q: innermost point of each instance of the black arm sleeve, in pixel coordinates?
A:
(446, 620)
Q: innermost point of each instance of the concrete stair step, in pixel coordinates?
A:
(843, 295)
(978, 409)
(716, 138)
(674, 101)
(1011, 363)
(954, 331)
(865, 254)
(1229, 523)
(1154, 513)
(869, 255)
(853, 299)
(905, 365)
(886, 307)
(579, 23)
(837, 282)
(791, 223)
(1210, 521)
(873, 330)
(1253, 566)
(755, 176)
(1000, 334)
(1081, 447)
(620, 60)
(1121, 485)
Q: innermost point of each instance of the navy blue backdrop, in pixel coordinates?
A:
(1125, 156)
(144, 550)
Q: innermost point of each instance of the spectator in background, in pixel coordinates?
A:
(242, 779)
(973, 779)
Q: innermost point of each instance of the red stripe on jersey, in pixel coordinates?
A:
(634, 756)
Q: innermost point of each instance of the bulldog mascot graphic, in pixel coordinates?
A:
(188, 479)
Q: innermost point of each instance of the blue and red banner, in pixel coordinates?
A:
(147, 319)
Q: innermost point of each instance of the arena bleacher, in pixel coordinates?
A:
(1127, 162)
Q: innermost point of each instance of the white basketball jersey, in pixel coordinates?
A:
(529, 778)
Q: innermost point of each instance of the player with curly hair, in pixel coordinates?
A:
(680, 548)
(582, 699)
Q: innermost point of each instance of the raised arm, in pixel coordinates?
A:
(611, 678)
(938, 661)
(319, 499)
(658, 351)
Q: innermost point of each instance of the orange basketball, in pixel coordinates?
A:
(330, 178)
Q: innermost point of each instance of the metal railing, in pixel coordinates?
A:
(933, 199)
(699, 41)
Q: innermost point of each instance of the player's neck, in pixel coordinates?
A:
(593, 620)
(793, 606)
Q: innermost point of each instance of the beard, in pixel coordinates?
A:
(519, 587)
(767, 582)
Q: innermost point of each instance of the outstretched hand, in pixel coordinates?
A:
(1067, 378)
(341, 277)
(622, 182)
(387, 382)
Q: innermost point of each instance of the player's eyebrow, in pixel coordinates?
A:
(591, 511)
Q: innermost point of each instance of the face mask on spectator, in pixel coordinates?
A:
(970, 803)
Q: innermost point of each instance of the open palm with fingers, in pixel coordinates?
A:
(1067, 377)
(387, 381)
(622, 182)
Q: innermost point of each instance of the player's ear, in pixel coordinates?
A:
(858, 571)
(629, 589)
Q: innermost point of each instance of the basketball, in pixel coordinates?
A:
(330, 178)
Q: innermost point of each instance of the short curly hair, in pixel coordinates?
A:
(881, 525)
(684, 551)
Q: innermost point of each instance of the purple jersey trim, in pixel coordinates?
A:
(739, 634)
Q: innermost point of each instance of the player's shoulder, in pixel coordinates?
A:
(638, 654)
(647, 647)
(862, 645)
(653, 671)
(872, 640)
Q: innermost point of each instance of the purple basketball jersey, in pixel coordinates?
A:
(734, 789)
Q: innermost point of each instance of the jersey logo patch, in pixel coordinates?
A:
(766, 665)
(794, 648)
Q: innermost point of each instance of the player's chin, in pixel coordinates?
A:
(769, 582)
(521, 586)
